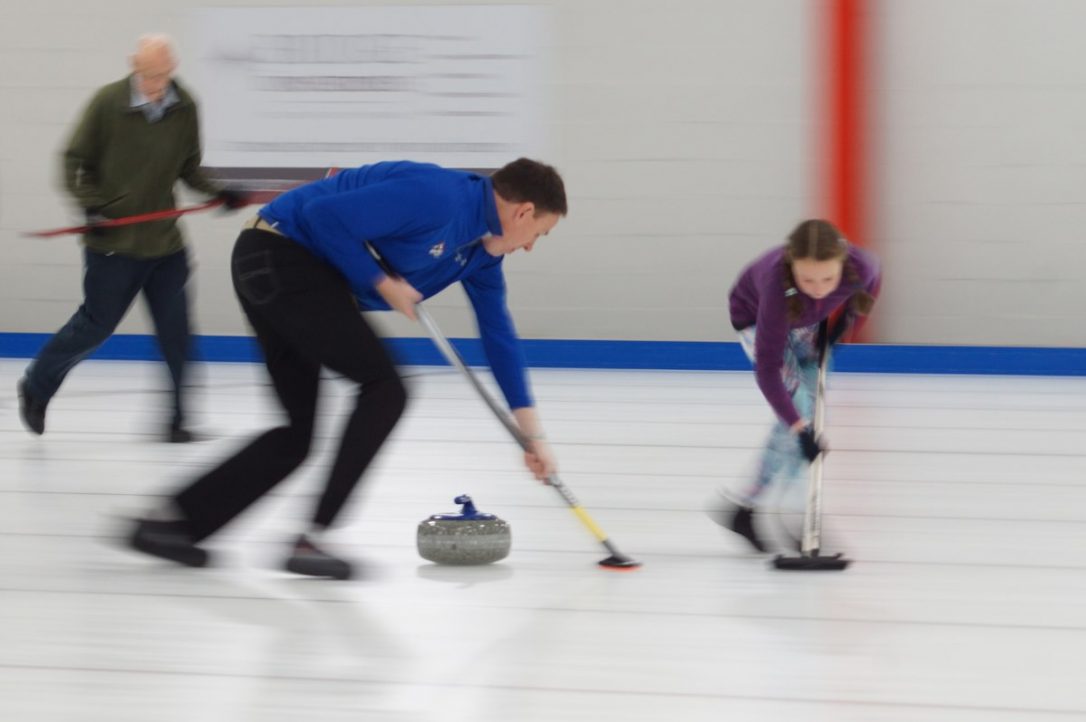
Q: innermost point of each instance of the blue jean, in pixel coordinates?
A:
(782, 460)
(110, 284)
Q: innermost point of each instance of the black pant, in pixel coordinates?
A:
(110, 284)
(305, 317)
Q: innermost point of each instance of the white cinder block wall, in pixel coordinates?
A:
(681, 130)
(980, 147)
(686, 132)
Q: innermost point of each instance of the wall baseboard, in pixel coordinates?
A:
(664, 355)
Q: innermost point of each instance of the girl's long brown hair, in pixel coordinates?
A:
(819, 240)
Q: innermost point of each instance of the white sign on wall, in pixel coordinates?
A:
(461, 86)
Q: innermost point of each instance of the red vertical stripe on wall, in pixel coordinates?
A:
(844, 179)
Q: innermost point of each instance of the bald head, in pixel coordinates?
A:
(153, 65)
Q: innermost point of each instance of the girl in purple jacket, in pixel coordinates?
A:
(776, 307)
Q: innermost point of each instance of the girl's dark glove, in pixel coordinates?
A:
(809, 444)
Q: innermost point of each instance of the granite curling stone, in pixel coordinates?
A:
(470, 537)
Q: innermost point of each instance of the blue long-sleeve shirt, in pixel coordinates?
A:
(427, 223)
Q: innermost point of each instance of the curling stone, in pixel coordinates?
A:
(470, 537)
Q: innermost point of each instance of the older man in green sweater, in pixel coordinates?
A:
(137, 138)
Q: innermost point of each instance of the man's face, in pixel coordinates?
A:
(153, 70)
(521, 230)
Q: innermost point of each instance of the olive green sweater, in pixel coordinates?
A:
(120, 164)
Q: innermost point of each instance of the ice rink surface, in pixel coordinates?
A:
(961, 500)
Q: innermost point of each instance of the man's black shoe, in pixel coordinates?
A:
(176, 433)
(309, 559)
(179, 435)
(167, 540)
(31, 409)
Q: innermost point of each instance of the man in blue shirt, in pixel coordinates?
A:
(301, 271)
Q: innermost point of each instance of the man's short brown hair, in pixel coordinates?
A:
(529, 181)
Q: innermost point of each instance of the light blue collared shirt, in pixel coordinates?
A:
(153, 111)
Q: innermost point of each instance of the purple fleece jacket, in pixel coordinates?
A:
(758, 299)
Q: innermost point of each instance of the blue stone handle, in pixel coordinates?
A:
(468, 512)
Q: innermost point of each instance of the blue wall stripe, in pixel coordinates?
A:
(672, 355)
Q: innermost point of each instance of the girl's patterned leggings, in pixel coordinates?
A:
(782, 459)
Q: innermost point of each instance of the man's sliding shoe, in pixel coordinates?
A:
(167, 540)
(31, 408)
(312, 561)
